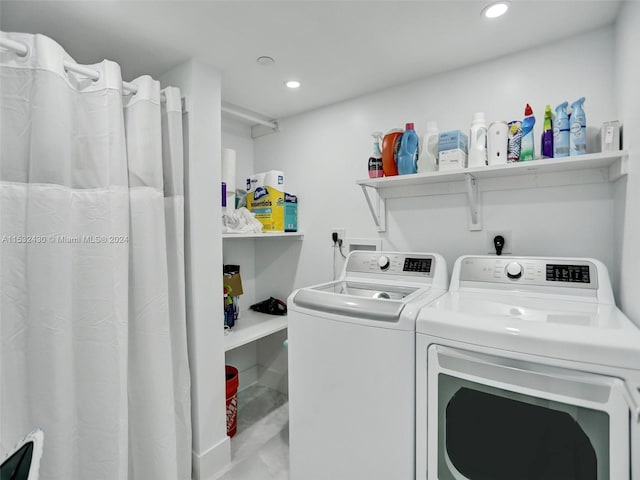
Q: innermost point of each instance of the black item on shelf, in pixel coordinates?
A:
(231, 269)
(272, 306)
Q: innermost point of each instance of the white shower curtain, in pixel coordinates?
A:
(93, 335)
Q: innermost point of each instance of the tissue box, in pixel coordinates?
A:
(452, 140)
(452, 148)
(265, 198)
(290, 213)
(452, 159)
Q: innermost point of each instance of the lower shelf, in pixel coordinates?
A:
(252, 326)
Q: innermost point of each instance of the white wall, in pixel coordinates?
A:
(325, 151)
(200, 84)
(628, 101)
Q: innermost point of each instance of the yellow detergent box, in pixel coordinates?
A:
(265, 198)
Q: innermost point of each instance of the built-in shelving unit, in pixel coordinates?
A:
(552, 172)
(297, 235)
(252, 326)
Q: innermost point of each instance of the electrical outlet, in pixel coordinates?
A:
(508, 241)
(341, 234)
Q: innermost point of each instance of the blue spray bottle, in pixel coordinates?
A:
(578, 138)
(561, 131)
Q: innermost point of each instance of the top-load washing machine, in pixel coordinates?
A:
(527, 370)
(352, 367)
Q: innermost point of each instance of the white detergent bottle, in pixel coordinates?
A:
(478, 141)
(428, 161)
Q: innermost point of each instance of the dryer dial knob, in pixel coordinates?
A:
(514, 270)
(383, 262)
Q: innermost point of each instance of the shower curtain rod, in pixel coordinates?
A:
(22, 50)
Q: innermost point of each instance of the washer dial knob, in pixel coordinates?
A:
(383, 262)
(514, 270)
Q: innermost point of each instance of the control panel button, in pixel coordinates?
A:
(383, 262)
(514, 270)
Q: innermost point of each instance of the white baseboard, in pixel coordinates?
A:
(207, 465)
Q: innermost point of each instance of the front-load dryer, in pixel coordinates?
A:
(526, 369)
(352, 367)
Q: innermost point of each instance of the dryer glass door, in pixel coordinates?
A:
(502, 419)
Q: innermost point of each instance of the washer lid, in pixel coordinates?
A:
(367, 290)
(357, 299)
(543, 326)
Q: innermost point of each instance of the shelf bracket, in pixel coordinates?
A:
(377, 207)
(475, 222)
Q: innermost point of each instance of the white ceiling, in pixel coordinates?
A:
(337, 49)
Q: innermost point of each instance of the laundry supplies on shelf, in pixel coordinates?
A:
(561, 131)
(452, 150)
(291, 212)
(428, 159)
(265, 198)
(408, 153)
(497, 142)
(374, 165)
(514, 145)
(478, 141)
(546, 143)
(390, 148)
(527, 151)
(578, 135)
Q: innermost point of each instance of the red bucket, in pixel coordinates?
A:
(232, 399)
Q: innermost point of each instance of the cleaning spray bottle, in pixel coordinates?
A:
(428, 161)
(408, 154)
(547, 134)
(478, 141)
(561, 131)
(578, 137)
(375, 160)
(528, 149)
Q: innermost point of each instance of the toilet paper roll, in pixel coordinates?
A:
(229, 176)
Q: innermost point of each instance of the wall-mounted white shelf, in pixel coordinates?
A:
(551, 172)
(298, 235)
(252, 326)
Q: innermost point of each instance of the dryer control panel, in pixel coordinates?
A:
(390, 263)
(572, 273)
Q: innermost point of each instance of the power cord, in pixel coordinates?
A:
(340, 248)
(337, 241)
(334, 237)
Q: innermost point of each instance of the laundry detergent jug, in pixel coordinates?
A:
(390, 149)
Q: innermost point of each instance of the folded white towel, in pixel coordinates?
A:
(241, 220)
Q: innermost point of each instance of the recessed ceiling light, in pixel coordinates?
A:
(292, 83)
(496, 9)
(265, 61)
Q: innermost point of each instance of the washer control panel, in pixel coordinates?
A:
(530, 271)
(392, 263)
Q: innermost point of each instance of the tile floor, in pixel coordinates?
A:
(260, 448)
